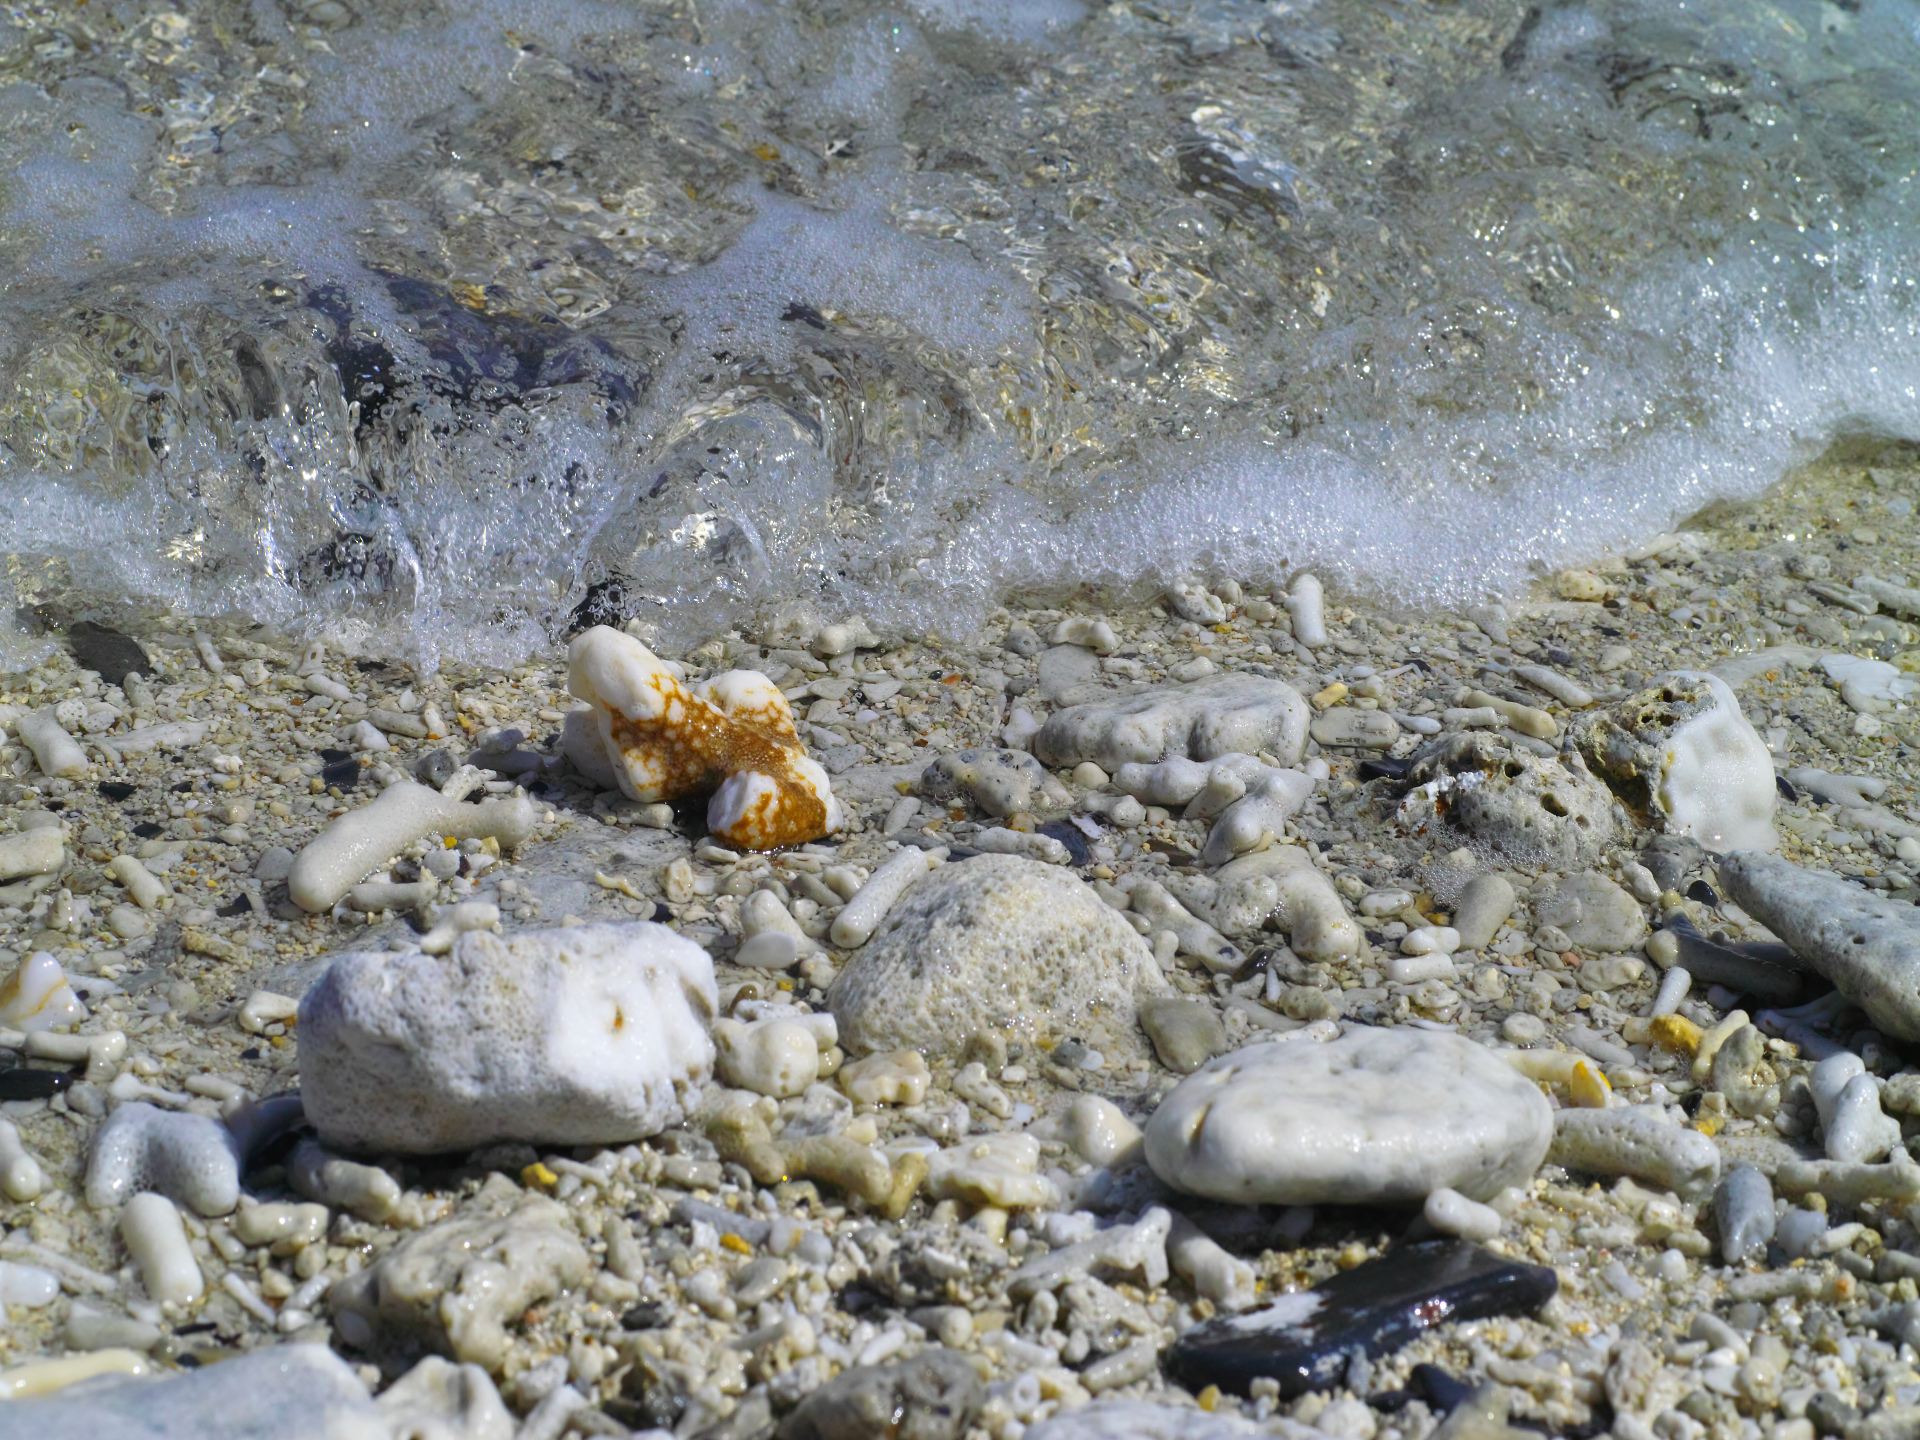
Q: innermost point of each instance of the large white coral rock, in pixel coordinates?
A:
(584, 1035)
(995, 942)
(1373, 1117)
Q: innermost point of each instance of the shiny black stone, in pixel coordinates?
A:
(644, 1317)
(1070, 835)
(1374, 1309)
(22, 1083)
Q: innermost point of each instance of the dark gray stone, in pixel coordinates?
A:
(1768, 973)
(1185, 1033)
(108, 653)
(434, 768)
(1671, 858)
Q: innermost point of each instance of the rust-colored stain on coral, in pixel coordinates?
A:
(731, 736)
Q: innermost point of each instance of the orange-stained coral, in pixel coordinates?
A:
(732, 735)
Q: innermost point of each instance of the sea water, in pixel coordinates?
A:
(443, 327)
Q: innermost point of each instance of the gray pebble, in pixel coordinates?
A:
(1024, 640)
(1797, 1231)
(1671, 858)
(274, 864)
(1065, 669)
(759, 1281)
(1484, 907)
(1595, 913)
(1185, 1033)
(1743, 1214)
(434, 768)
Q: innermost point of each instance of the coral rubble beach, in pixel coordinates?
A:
(1262, 1012)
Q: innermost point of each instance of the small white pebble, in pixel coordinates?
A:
(1452, 1213)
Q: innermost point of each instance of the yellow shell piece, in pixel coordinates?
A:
(1588, 1087)
(738, 1244)
(1675, 1033)
(731, 736)
(538, 1177)
(1332, 695)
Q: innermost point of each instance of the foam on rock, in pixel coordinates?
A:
(1682, 757)
(587, 1034)
(995, 942)
(731, 736)
(1372, 1117)
(1223, 714)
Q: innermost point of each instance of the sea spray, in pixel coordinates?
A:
(455, 333)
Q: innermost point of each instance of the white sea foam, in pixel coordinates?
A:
(417, 329)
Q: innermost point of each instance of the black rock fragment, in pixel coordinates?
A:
(1071, 836)
(117, 791)
(1306, 1341)
(343, 773)
(108, 653)
(644, 1316)
(24, 1083)
(1443, 1393)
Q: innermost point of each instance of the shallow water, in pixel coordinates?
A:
(424, 323)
